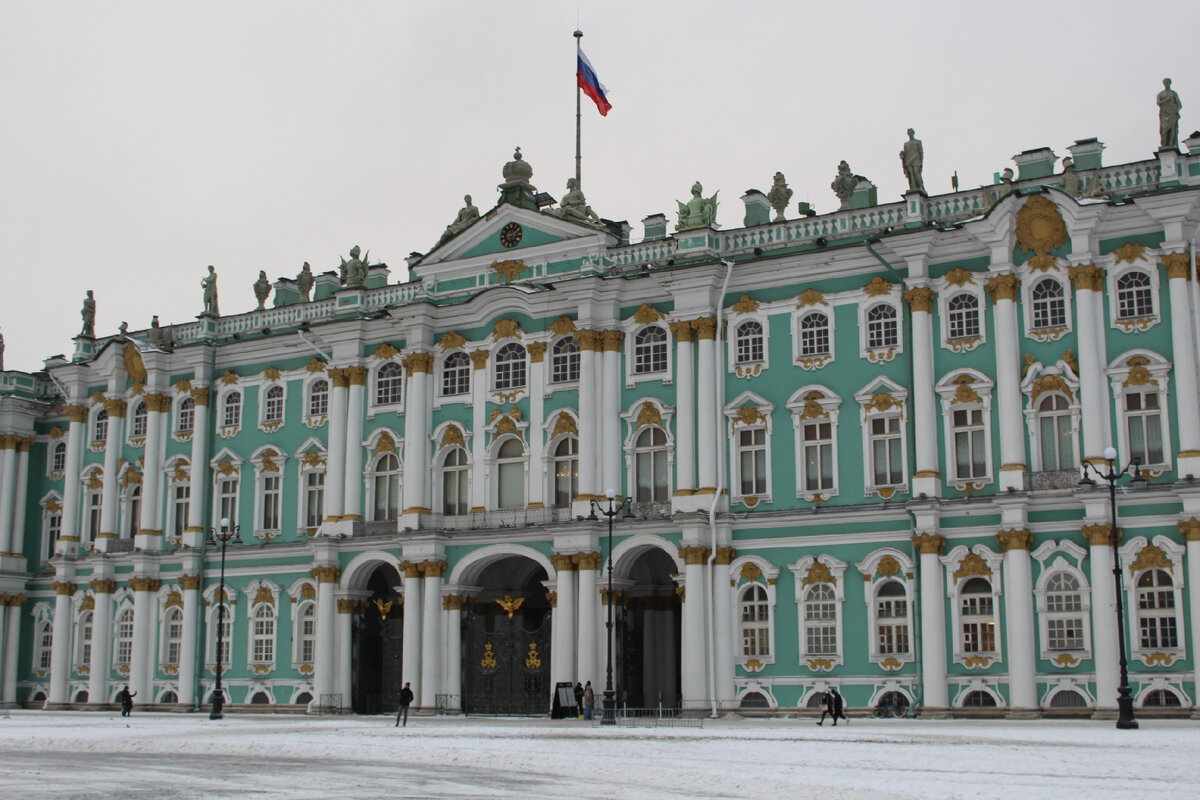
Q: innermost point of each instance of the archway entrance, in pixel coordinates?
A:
(648, 634)
(378, 645)
(506, 640)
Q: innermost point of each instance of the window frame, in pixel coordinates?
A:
(267, 404)
(803, 406)
(749, 413)
(746, 572)
(814, 360)
(255, 637)
(1141, 556)
(644, 355)
(397, 385)
(1050, 332)
(229, 418)
(1144, 372)
(572, 362)
(956, 283)
(464, 365)
(394, 481)
(959, 572)
(462, 479)
(139, 423)
(967, 391)
(807, 575)
(1062, 558)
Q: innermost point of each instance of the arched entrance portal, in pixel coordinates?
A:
(506, 640)
(378, 644)
(648, 634)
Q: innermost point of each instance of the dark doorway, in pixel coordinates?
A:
(648, 635)
(377, 635)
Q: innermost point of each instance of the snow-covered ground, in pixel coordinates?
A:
(63, 755)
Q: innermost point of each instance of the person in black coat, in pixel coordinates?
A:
(125, 698)
(839, 706)
(579, 699)
(406, 698)
(827, 708)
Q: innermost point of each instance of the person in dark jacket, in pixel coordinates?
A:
(839, 707)
(589, 701)
(125, 697)
(579, 699)
(826, 708)
(406, 698)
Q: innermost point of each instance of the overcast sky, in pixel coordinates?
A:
(144, 141)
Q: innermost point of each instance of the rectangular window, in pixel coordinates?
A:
(180, 507)
(818, 456)
(752, 461)
(270, 503)
(314, 499)
(1143, 420)
(969, 446)
(1065, 634)
(174, 638)
(53, 531)
(95, 502)
(227, 495)
(887, 465)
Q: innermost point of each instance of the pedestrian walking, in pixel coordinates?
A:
(839, 707)
(579, 699)
(589, 701)
(406, 698)
(125, 697)
(827, 708)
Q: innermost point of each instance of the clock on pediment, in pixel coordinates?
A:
(510, 235)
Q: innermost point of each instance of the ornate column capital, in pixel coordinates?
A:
(929, 543)
(159, 403)
(563, 562)
(145, 584)
(411, 569)
(76, 413)
(103, 586)
(453, 602)
(63, 587)
(1177, 266)
(1015, 539)
(694, 555)
(706, 328)
(479, 359)
(325, 574)
(433, 569)
(920, 299)
(356, 375)
(1086, 277)
(587, 339)
(682, 330)
(1099, 535)
(586, 560)
(200, 396)
(421, 363)
(725, 556)
(189, 582)
(1003, 287)
(339, 377)
(537, 352)
(115, 406)
(552, 598)
(612, 340)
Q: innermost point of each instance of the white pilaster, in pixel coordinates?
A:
(723, 626)
(150, 529)
(416, 436)
(335, 467)
(141, 663)
(431, 634)
(353, 466)
(564, 615)
(1104, 623)
(589, 423)
(1004, 289)
(610, 411)
(198, 478)
(453, 686)
(706, 408)
(17, 545)
(933, 624)
(101, 641)
(695, 661)
(685, 410)
(1089, 281)
(588, 668)
(12, 639)
(190, 584)
(8, 491)
(345, 646)
(60, 648)
(112, 467)
(1184, 355)
(1191, 530)
(537, 419)
(414, 589)
(927, 480)
(324, 677)
(1018, 614)
(68, 540)
(479, 392)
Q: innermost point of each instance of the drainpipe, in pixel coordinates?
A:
(719, 410)
(326, 356)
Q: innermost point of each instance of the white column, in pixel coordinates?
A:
(723, 625)
(335, 467)
(112, 468)
(453, 604)
(668, 652)
(933, 623)
(1191, 529)
(324, 678)
(589, 423)
(17, 545)
(347, 608)
(199, 479)
(588, 667)
(479, 392)
(416, 435)
(140, 674)
(564, 632)
(191, 635)
(927, 479)
(536, 482)
(1004, 289)
(1089, 283)
(150, 532)
(68, 541)
(610, 411)
(695, 602)
(1104, 623)
(685, 410)
(706, 407)
(12, 638)
(101, 641)
(1018, 617)
(431, 633)
(60, 648)
(414, 589)
(8, 491)
(1184, 355)
(353, 481)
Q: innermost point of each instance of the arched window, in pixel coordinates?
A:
(814, 335)
(564, 360)
(389, 384)
(83, 643)
(262, 645)
(456, 374)
(232, 415)
(172, 636)
(260, 699)
(185, 420)
(100, 427)
(1161, 698)
(510, 367)
(1157, 622)
(1143, 422)
(566, 472)
(749, 342)
(891, 618)
(307, 634)
(123, 656)
(963, 316)
(650, 466)
(454, 482)
(1054, 426)
(1068, 698)
(318, 398)
(510, 474)
(58, 460)
(273, 407)
(1135, 297)
(881, 327)
(650, 350)
(978, 617)
(386, 504)
(137, 425)
(979, 699)
(42, 646)
(1064, 612)
(820, 621)
(1049, 304)
(756, 621)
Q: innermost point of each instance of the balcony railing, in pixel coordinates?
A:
(499, 518)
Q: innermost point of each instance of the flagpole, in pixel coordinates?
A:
(578, 113)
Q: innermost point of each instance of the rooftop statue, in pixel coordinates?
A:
(88, 312)
(573, 207)
(1070, 180)
(209, 285)
(304, 282)
(912, 157)
(155, 336)
(699, 212)
(262, 289)
(1168, 115)
(123, 328)
(354, 271)
(779, 196)
(844, 184)
(465, 219)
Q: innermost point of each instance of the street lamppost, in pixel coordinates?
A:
(610, 696)
(1125, 718)
(223, 535)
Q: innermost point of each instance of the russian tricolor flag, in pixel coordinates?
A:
(591, 84)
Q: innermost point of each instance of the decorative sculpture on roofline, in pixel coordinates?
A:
(699, 212)
(573, 207)
(262, 289)
(844, 184)
(779, 196)
(304, 282)
(1070, 179)
(209, 285)
(1168, 116)
(88, 312)
(465, 219)
(354, 271)
(912, 158)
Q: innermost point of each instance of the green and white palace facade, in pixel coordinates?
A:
(851, 443)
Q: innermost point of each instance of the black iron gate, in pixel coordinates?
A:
(506, 663)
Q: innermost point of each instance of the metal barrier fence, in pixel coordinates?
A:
(660, 717)
(495, 705)
(447, 704)
(329, 704)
